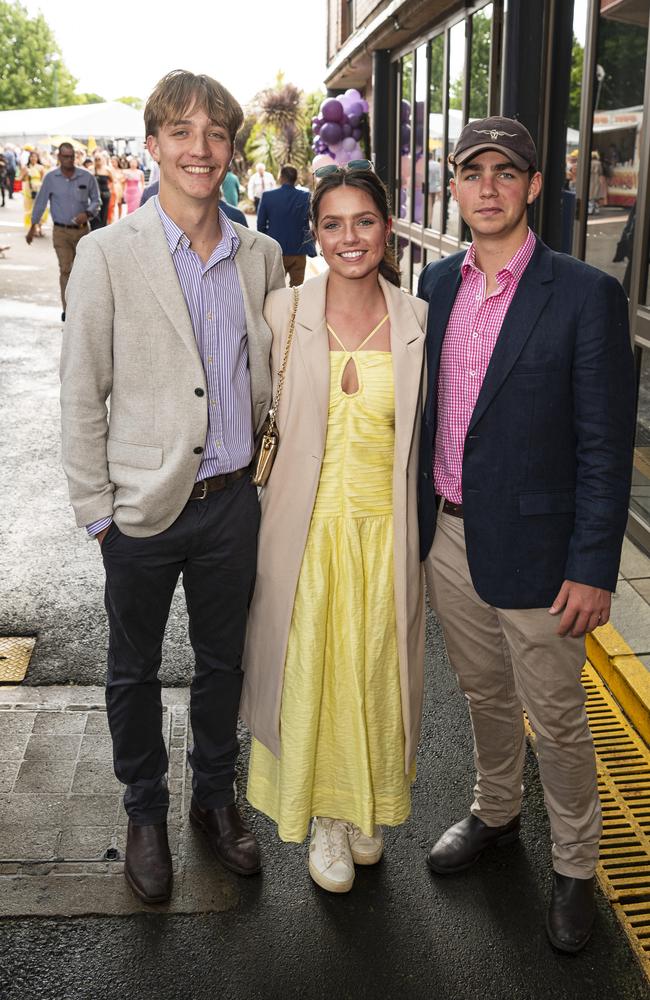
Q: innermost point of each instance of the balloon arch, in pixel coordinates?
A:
(337, 129)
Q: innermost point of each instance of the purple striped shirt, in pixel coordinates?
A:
(216, 307)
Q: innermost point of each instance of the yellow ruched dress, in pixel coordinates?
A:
(342, 736)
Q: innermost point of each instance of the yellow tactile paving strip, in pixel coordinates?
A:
(624, 784)
(15, 653)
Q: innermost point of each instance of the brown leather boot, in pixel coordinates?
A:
(148, 865)
(231, 842)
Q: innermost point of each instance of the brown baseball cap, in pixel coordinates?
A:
(506, 135)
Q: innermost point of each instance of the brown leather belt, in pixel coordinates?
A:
(455, 509)
(214, 483)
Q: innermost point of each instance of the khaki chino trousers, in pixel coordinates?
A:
(65, 244)
(506, 660)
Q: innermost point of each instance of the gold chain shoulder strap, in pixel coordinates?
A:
(285, 358)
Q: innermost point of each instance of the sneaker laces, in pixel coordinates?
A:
(336, 846)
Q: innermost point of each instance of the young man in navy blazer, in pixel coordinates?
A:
(283, 214)
(524, 483)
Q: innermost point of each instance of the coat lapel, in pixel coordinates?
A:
(312, 343)
(151, 251)
(533, 292)
(441, 302)
(407, 348)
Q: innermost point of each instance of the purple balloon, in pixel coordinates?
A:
(332, 110)
(356, 133)
(331, 133)
(353, 93)
(356, 108)
(354, 120)
(316, 127)
(365, 106)
(347, 130)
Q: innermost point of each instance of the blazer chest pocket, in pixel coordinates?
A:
(139, 456)
(556, 502)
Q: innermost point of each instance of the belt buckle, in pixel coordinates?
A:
(204, 484)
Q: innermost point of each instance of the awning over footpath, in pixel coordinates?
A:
(111, 120)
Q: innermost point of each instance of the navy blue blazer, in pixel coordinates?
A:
(548, 452)
(283, 214)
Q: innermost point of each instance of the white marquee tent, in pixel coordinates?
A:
(111, 120)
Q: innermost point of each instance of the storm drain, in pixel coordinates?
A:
(624, 784)
(15, 654)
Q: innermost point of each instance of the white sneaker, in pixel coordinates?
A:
(365, 850)
(330, 860)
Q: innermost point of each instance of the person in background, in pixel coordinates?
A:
(283, 214)
(3, 178)
(334, 656)
(73, 196)
(117, 195)
(230, 189)
(103, 177)
(12, 166)
(31, 177)
(134, 185)
(260, 181)
(526, 459)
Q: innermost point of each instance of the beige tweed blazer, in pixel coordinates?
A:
(131, 419)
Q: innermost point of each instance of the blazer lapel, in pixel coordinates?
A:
(251, 272)
(441, 302)
(151, 251)
(312, 343)
(407, 348)
(533, 292)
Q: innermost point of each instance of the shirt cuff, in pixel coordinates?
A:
(97, 526)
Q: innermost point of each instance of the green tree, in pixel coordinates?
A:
(575, 86)
(622, 54)
(32, 72)
(135, 102)
(88, 99)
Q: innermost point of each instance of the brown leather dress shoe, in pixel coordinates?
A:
(463, 843)
(148, 865)
(571, 913)
(231, 842)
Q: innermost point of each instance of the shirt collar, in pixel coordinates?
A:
(513, 270)
(175, 236)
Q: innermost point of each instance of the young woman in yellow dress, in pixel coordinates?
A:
(334, 651)
(32, 176)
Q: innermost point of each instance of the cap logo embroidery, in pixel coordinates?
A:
(493, 133)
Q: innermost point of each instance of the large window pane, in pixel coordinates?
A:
(420, 103)
(454, 115)
(406, 107)
(640, 496)
(479, 81)
(569, 194)
(615, 138)
(436, 131)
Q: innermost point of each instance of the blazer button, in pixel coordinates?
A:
(199, 392)
(197, 451)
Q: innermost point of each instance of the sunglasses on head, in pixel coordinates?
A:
(335, 168)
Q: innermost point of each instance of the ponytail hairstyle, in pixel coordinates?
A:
(368, 182)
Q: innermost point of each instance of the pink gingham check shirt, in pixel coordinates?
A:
(472, 332)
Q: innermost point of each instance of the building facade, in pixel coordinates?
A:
(576, 72)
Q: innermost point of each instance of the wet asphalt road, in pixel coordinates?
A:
(400, 932)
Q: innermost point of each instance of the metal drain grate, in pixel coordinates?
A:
(15, 654)
(623, 762)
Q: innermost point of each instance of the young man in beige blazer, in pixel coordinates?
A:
(164, 316)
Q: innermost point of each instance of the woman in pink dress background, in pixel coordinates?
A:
(133, 185)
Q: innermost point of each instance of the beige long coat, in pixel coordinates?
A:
(288, 502)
